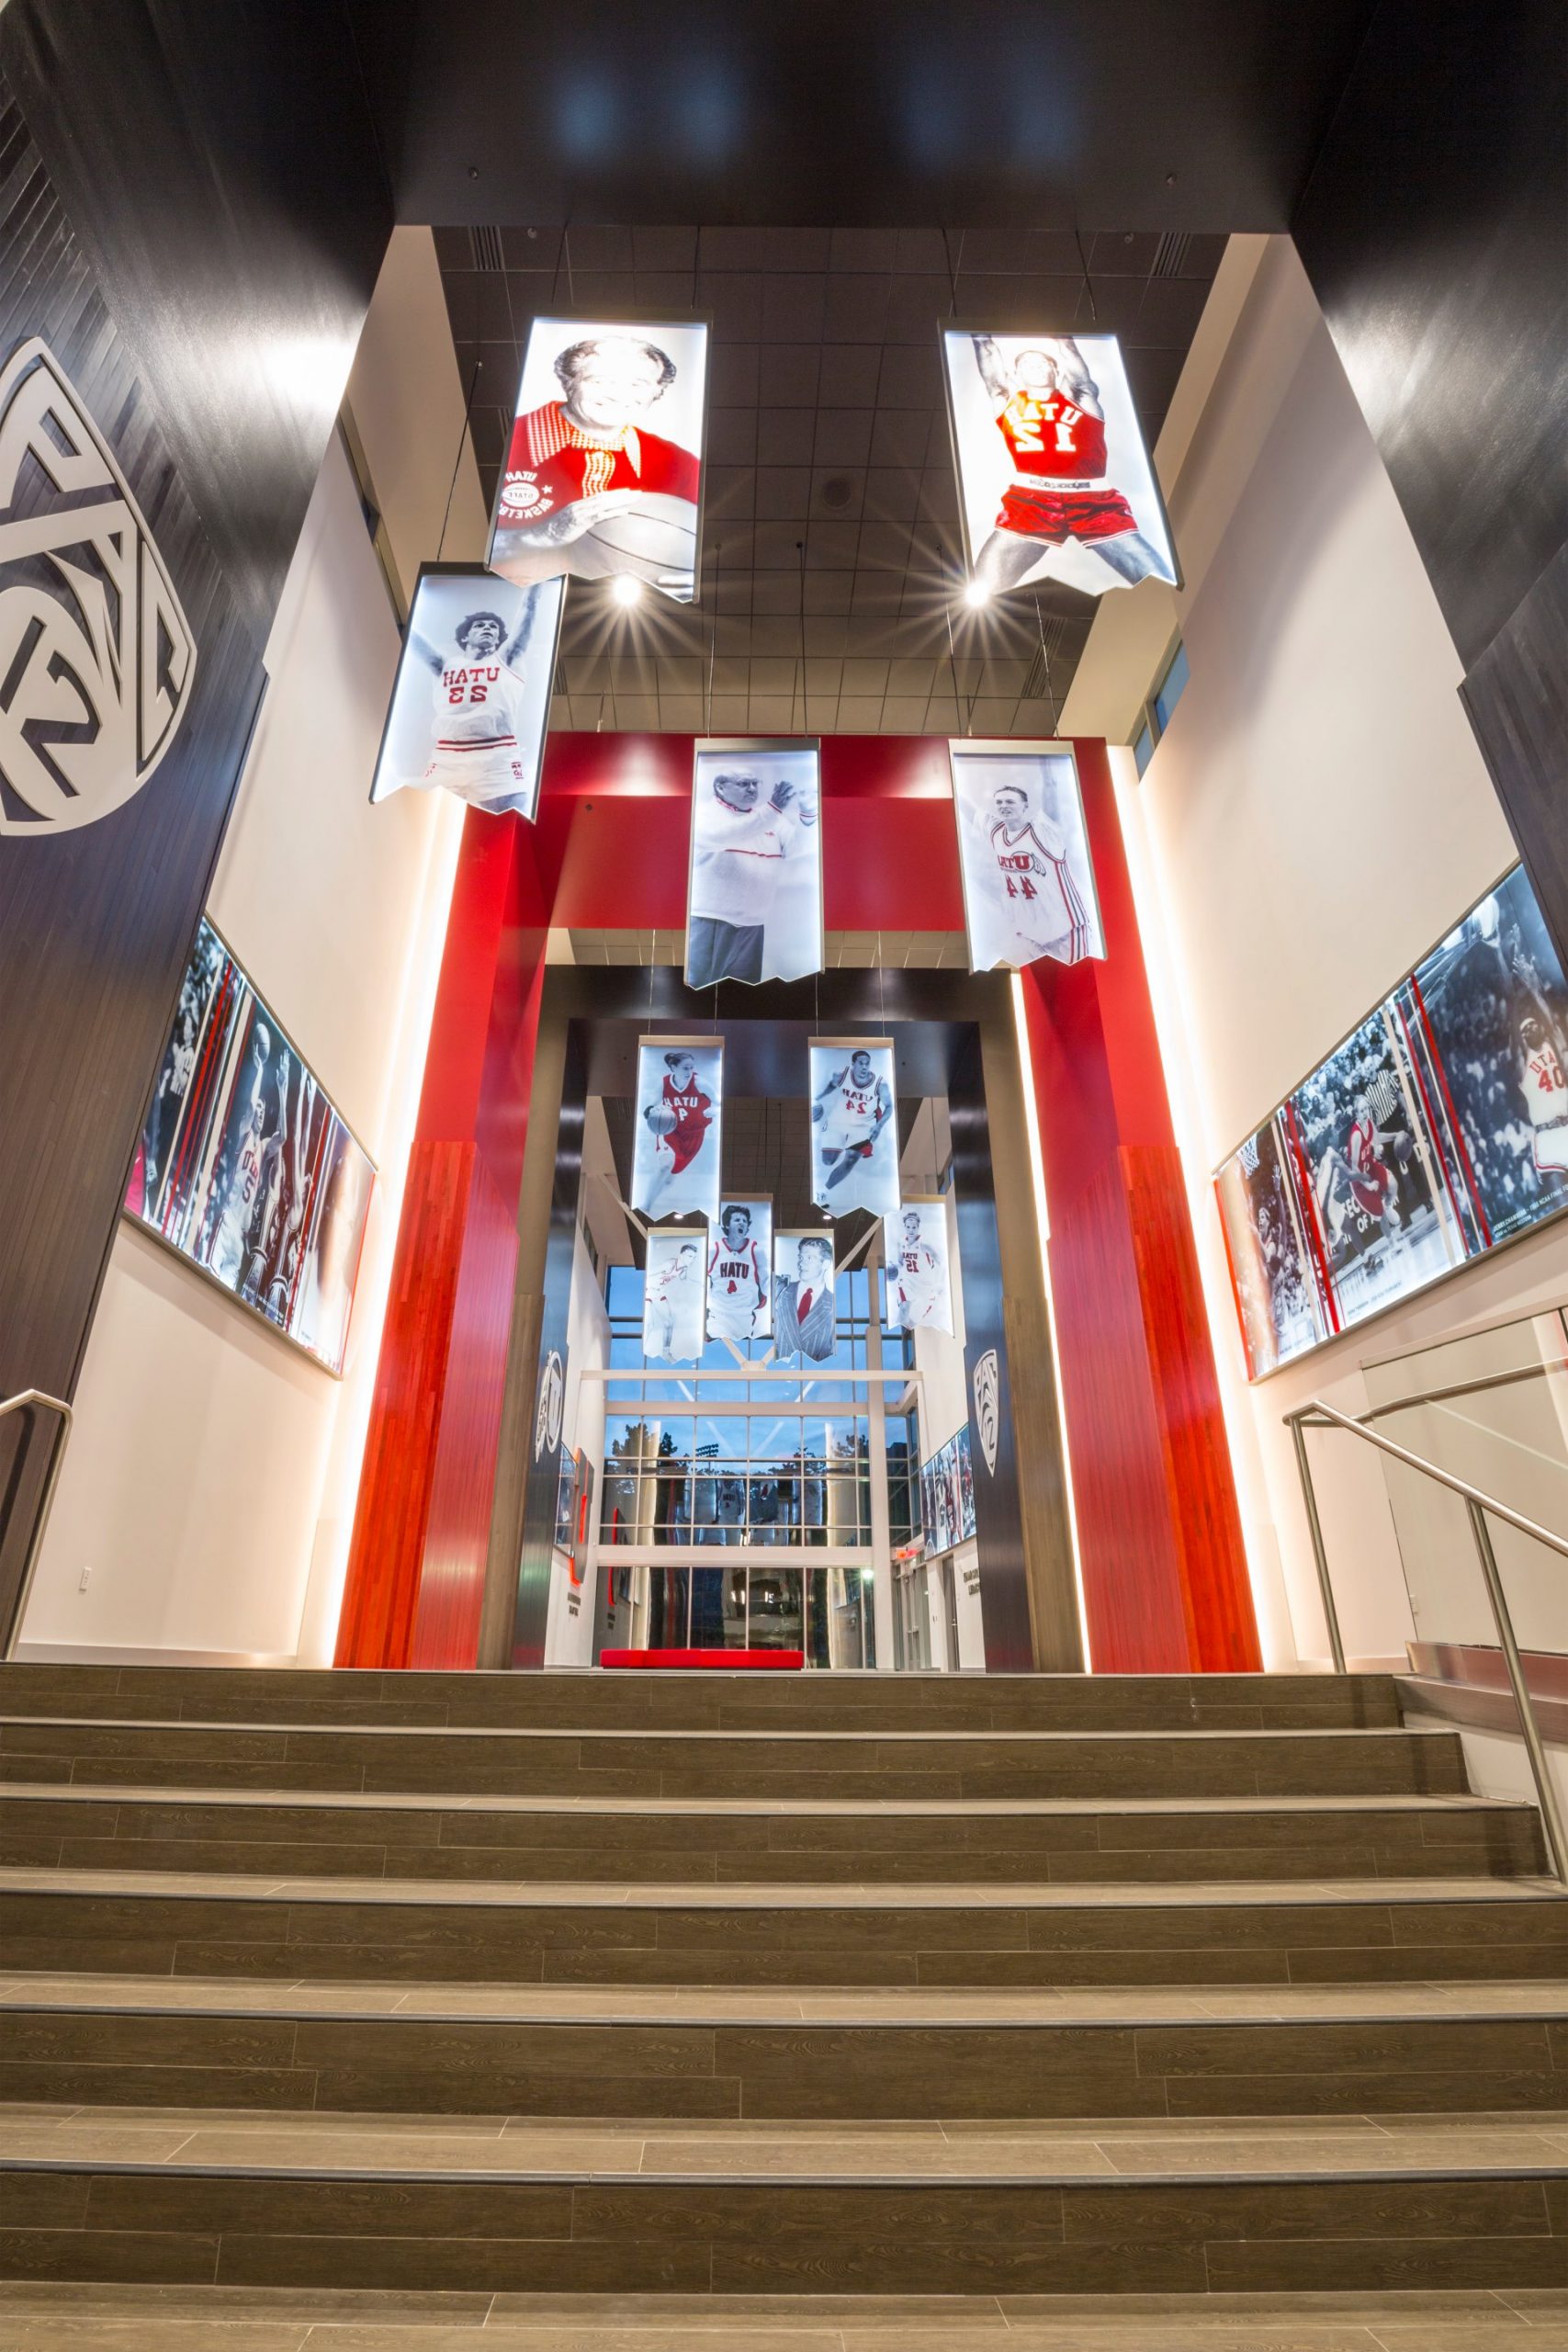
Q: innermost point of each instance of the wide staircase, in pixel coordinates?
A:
(769, 2009)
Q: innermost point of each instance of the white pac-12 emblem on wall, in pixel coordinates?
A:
(987, 1386)
(96, 659)
(552, 1399)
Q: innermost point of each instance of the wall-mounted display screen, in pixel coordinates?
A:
(680, 1104)
(244, 1166)
(471, 700)
(854, 1134)
(915, 1263)
(947, 1494)
(1438, 1130)
(672, 1297)
(603, 471)
(754, 900)
(805, 1315)
(1054, 480)
(1023, 854)
(741, 1267)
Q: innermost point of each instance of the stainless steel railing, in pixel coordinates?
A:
(32, 1401)
(1315, 1414)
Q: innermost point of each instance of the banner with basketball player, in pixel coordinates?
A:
(1023, 854)
(740, 1268)
(603, 469)
(471, 700)
(754, 900)
(246, 1168)
(673, 1290)
(679, 1115)
(915, 1265)
(1438, 1129)
(854, 1130)
(805, 1315)
(1054, 480)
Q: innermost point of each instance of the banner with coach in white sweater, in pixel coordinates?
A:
(754, 902)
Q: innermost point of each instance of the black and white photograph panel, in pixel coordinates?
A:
(1023, 854)
(805, 1317)
(1276, 1292)
(1054, 480)
(604, 471)
(471, 700)
(680, 1101)
(854, 1130)
(672, 1297)
(915, 1265)
(740, 1268)
(1494, 999)
(755, 898)
(1376, 1189)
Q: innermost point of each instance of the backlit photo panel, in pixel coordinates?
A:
(1023, 854)
(805, 1314)
(1054, 479)
(673, 1290)
(915, 1263)
(754, 898)
(603, 469)
(471, 700)
(1278, 1291)
(854, 1129)
(679, 1114)
(740, 1268)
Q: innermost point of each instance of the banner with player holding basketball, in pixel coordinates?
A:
(915, 1265)
(680, 1103)
(1054, 480)
(604, 471)
(1023, 854)
(854, 1127)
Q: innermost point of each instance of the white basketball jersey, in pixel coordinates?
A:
(478, 707)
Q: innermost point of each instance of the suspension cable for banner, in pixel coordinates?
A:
(458, 460)
(1087, 287)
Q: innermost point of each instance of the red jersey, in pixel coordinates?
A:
(690, 1110)
(1371, 1178)
(1053, 439)
(552, 463)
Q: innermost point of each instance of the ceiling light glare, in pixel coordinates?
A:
(626, 590)
(975, 594)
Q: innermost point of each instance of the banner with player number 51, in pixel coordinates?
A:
(1023, 852)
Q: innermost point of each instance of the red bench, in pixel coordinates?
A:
(767, 1661)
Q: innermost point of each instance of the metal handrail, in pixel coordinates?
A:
(29, 1400)
(1466, 1389)
(1315, 1414)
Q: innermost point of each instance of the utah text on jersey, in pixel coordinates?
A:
(97, 658)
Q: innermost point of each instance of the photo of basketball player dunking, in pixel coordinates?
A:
(675, 1156)
(672, 1299)
(471, 701)
(754, 900)
(1023, 854)
(741, 1269)
(603, 469)
(1054, 476)
(915, 1261)
(854, 1143)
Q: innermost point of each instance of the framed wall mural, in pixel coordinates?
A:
(947, 1494)
(603, 471)
(678, 1120)
(754, 898)
(470, 703)
(1023, 854)
(1054, 479)
(1438, 1129)
(244, 1166)
(915, 1265)
(855, 1133)
(740, 1268)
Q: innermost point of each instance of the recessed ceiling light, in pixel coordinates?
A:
(627, 589)
(975, 592)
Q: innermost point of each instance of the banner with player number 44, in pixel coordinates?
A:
(1023, 854)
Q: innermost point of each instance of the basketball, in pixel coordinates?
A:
(656, 538)
(660, 1117)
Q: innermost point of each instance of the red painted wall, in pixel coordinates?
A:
(1166, 1582)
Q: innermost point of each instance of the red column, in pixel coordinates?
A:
(1165, 1572)
(417, 1567)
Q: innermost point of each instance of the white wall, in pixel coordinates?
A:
(568, 1631)
(210, 1479)
(1316, 817)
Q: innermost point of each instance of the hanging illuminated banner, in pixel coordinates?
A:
(740, 1268)
(1023, 852)
(1054, 480)
(604, 473)
(754, 900)
(854, 1135)
(672, 1298)
(804, 1317)
(915, 1265)
(680, 1101)
(471, 700)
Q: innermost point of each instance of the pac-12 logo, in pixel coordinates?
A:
(987, 1386)
(552, 1398)
(96, 658)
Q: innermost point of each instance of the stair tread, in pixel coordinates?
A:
(1140, 2150)
(940, 1735)
(790, 2004)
